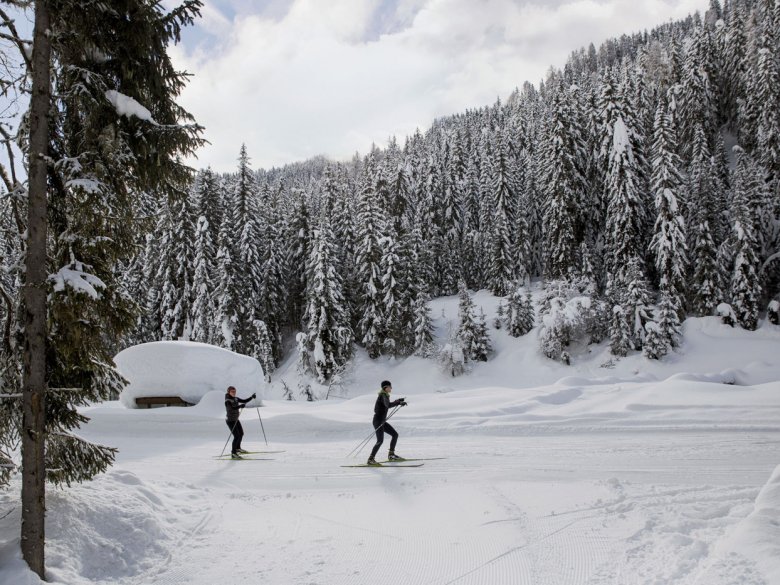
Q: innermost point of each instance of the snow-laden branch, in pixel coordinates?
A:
(127, 106)
(73, 275)
(768, 261)
(91, 186)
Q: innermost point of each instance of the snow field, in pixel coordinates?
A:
(600, 493)
(637, 473)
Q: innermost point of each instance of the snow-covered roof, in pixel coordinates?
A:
(186, 369)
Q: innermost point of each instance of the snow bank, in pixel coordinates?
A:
(186, 369)
(753, 544)
(116, 527)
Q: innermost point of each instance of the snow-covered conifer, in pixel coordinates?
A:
(655, 347)
(368, 257)
(481, 347)
(624, 207)
(328, 335)
(423, 327)
(669, 240)
(203, 286)
(619, 332)
(226, 300)
(468, 331)
(565, 185)
(262, 349)
(503, 197)
(668, 321)
(746, 286)
(207, 192)
(519, 314)
(637, 303)
(394, 298)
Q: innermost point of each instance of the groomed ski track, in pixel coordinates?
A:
(572, 509)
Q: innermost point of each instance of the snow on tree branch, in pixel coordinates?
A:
(73, 275)
(127, 106)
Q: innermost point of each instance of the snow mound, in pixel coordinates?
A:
(753, 545)
(116, 526)
(186, 369)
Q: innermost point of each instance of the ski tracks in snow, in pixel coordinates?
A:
(680, 528)
(543, 550)
(639, 535)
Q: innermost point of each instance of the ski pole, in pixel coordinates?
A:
(359, 448)
(261, 425)
(233, 428)
(362, 444)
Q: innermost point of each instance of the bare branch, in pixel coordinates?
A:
(15, 38)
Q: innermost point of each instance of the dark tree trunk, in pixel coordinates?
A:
(34, 296)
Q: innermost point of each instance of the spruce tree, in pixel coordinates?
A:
(481, 347)
(468, 328)
(247, 255)
(208, 195)
(705, 289)
(262, 349)
(668, 322)
(423, 327)
(272, 294)
(503, 196)
(669, 240)
(394, 299)
(619, 332)
(226, 301)
(746, 286)
(327, 334)
(368, 256)
(655, 346)
(565, 182)
(696, 100)
(203, 284)
(299, 241)
(519, 315)
(637, 303)
(104, 128)
(624, 207)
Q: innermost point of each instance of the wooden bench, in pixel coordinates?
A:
(151, 401)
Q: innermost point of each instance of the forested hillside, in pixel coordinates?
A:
(640, 183)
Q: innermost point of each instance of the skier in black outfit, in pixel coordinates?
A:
(233, 407)
(381, 425)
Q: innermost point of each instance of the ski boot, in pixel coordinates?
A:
(391, 456)
(371, 461)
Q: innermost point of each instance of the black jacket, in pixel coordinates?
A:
(233, 406)
(382, 405)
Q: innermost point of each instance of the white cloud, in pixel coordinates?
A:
(333, 77)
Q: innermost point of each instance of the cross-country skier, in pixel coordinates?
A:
(381, 425)
(233, 407)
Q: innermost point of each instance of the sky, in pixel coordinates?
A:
(293, 79)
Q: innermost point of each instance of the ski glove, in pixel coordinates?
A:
(403, 402)
(253, 396)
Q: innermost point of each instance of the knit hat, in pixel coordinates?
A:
(385, 384)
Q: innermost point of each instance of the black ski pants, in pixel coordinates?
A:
(381, 429)
(238, 434)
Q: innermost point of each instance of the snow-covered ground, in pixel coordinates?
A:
(634, 473)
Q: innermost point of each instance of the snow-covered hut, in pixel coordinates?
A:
(182, 372)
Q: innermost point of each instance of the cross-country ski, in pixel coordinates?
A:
(383, 466)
